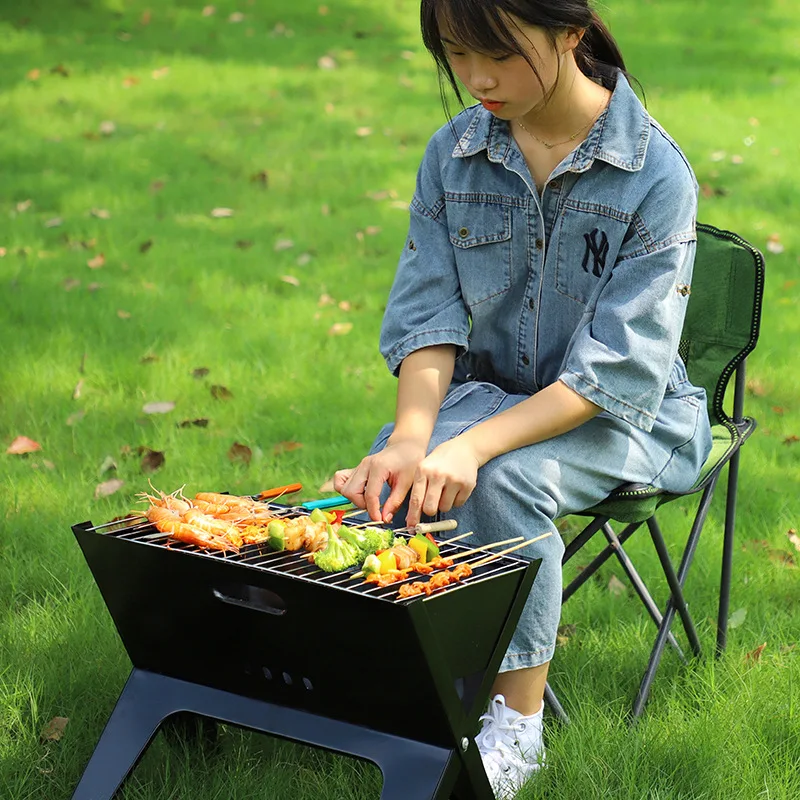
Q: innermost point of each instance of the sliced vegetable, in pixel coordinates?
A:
(277, 531)
(387, 561)
(372, 565)
(318, 515)
(420, 545)
(433, 548)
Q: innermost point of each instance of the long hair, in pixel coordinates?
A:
(485, 26)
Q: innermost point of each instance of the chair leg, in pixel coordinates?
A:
(727, 555)
(669, 612)
(639, 586)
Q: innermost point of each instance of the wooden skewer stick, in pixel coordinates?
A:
(486, 548)
(456, 538)
(495, 556)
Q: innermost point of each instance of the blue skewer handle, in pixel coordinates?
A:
(328, 502)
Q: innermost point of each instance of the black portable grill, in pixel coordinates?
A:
(266, 641)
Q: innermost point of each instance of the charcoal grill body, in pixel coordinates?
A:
(302, 660)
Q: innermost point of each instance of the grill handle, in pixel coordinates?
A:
(254, 598)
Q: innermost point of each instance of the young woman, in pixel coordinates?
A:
(536, 314)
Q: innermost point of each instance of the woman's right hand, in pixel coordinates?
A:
(396, 465)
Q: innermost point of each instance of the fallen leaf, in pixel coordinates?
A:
(794, 538)
(55, 222)
(23, 206)
(108, 488)
(325, 300)
(209, 11)
(283, 244)
(73, 419)
(152, 460)
(156, 186)
(261, 177)
(145, 246)
(70, 283)
(3, 252)
(158, 408)
(737, 618)
(98, 261)
(158, 74)
(237, 16)
(791, 439)
(364, 131)
(122, 314)
(34, 75)
(146, 17)
(327, 63)
(778, 410)
(756, 387)
(101, 213)
(372, 230)
(148, 359)
(286, 447)
(108, 465)
(22, 445)
(54, 730)
(196, 423)
(737, 160)
(340, 328)
(290, 279)
(345, 306)
(754, 655)
(327, 486)
(48, 464)
(244, 244)
(240, 452)
(221, 392)
(616, 586)
(60, 69)
(565, 633)
(130, 80)
(220, 213)
(76, 392)
(200, 372)
(107, 127)
(774, 244)
(303, 260)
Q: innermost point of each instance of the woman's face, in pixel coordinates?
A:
(506, 85)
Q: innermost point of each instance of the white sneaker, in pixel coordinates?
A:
(511, 747)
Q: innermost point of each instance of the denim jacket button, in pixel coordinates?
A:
(463, 233)
(539, 244)
(531, 303)
(526, 361)
(555, 185)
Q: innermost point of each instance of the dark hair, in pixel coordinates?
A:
(484, 26)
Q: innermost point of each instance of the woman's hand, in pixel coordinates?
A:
(396, 465)
(443, 480)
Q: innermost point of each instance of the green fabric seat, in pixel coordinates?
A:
(721, 329)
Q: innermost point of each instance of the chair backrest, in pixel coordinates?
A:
(724, 312)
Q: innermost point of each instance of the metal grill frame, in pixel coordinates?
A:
(222, 637)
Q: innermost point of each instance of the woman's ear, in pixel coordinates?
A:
(570, 39)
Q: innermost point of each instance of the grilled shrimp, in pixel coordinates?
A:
(191, 535)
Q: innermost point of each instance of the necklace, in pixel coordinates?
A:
(572, 138)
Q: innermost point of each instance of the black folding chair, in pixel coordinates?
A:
(721, 329)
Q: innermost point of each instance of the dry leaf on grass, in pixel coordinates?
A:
(108, 465)
(158, 408)
(326, 62)
(200, 422)
(286, 447)
(219, 392)
(54, 730)
(794, 538)
(98, 261)
(616, 586)
(123, 314)
(221, 213)
(145, 246)
(291, 280)
(774, 244)
(200, 372)
(738, 617)
(283, 244)
(55, 222)
(754, 655)
(76, 392)
(565, 633)
(364, 131)
(240, 452)
(152, 460)
(108, 488)
(340, 328)
(22, 445)
(209, 11)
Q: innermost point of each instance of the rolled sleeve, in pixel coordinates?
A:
(425, 306)
(622, 356)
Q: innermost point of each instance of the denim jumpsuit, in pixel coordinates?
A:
(586, 283)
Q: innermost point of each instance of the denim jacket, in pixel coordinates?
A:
(586, 283)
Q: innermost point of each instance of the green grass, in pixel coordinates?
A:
(244, 98)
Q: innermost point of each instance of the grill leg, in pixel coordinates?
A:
(133, 723)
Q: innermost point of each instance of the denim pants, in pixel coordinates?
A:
(521, 493)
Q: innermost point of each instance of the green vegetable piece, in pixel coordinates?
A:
(371, 565)
(276, 531)
(338, 555)
(318, 515)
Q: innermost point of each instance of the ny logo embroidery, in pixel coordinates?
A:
(598, 250)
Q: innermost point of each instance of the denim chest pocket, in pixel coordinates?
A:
(588, 240)
(481, 237)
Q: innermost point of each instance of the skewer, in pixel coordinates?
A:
(456, 538)
(487, 547)
(495, 556)
(421, 527)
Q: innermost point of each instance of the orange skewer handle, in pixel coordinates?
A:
(278, 491)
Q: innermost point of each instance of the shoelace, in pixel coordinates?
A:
(500, 734)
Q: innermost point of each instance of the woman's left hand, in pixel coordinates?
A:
(443, 480)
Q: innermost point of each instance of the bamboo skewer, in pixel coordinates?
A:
(495, 556)
(487, 547)
(456, 538)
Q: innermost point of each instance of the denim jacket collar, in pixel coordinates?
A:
(619, 136)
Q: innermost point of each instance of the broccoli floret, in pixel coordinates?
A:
(338, 554)
(367, 540)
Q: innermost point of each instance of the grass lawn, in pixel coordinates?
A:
(205, 208)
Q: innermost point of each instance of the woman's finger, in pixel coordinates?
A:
(372, 493)
(433, 494)
(448, 498)
(354, 486)
(396, 497)
(416, 498)
(340, 478)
